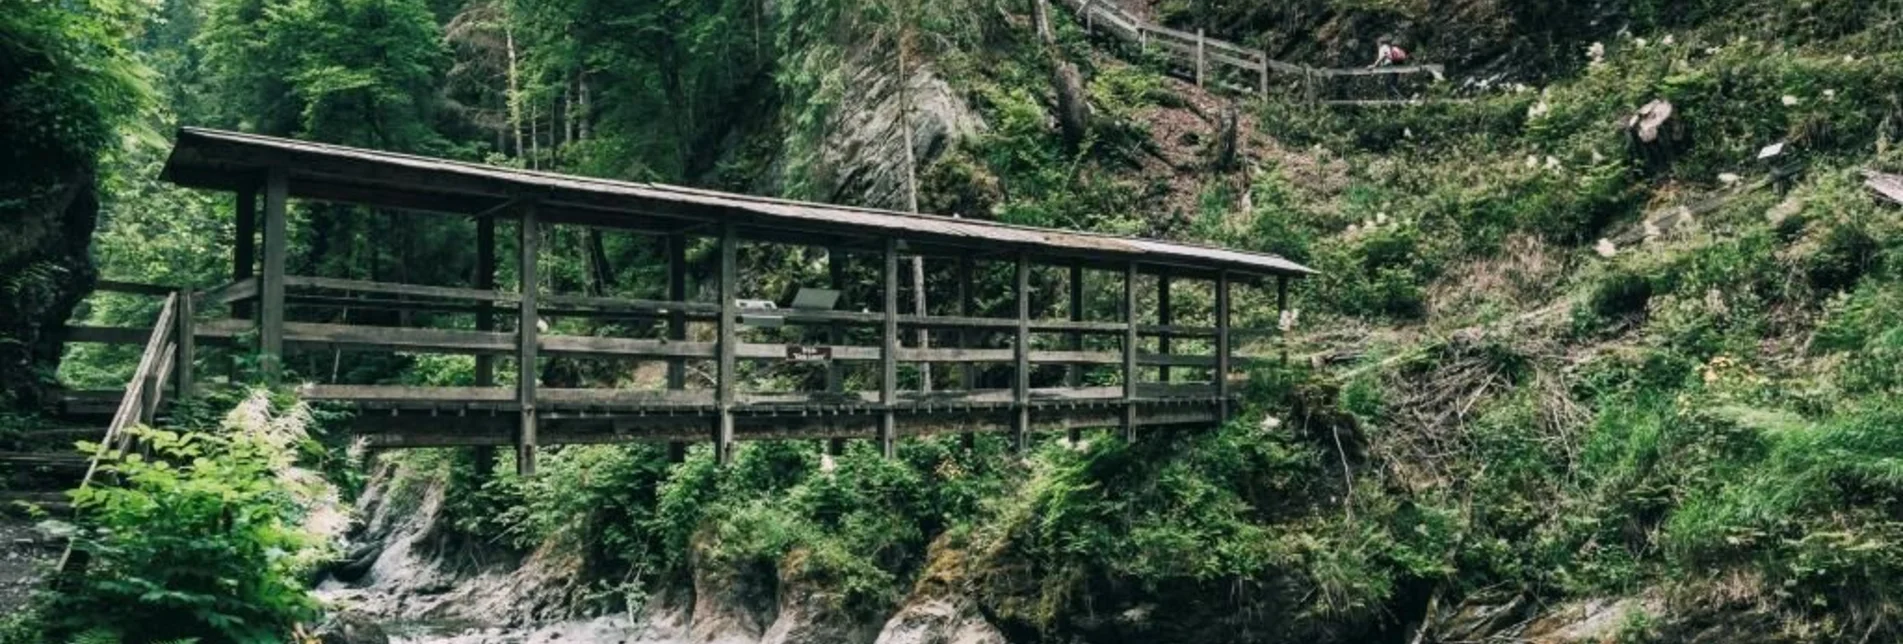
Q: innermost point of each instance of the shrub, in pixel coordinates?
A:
(204, 538)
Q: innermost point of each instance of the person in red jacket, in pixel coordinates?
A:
(1389, 54)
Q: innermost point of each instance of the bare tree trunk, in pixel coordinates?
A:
(585, 114)
(515, 89)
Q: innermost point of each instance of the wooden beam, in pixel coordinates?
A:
(529, 230)
(1130, 352)
(1165, 317)
(244, 252)
(1223, 348)
(889, 352)
(276, 248)
(727, 373)
(1021, 347)
(1074, 374)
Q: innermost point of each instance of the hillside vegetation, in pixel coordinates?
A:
(1522, 380)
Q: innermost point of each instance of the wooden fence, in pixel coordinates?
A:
(1204, 55)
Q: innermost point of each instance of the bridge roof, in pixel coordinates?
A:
(222, 160)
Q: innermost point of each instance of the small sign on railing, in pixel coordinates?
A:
(797, 353)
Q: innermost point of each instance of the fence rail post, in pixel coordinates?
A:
(1200, 59)
(1264, 71)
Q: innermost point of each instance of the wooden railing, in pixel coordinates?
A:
(1197, 52)
(168, 356)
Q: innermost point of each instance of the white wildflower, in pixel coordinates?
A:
(1790, 101)
(1729, 178)
(1640, 42)
(1353, 228)
(1288, 319)
(1270, 423)
(1380, 217)
(826, 463)
(1830, 94)
(1597, 157)
(1407, 133)
(1552, 163)
(1850, 58)
(1532, 161)
(1538, 110)
(1605, 248)
(1667, 40)
(1596, 54)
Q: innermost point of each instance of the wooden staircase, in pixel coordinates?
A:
(40, 465)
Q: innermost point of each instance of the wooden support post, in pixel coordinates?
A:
(919, 308)
(1130, 352)
(836, 336)
(1165, 316)
(676, 324)
(485, 279)
(1222, 347)
(1200, 59)
(271, 291)
(244, 252)
(1143, 39)
(1090, 19)
(728, 347)
(968, 372)
(889, 353)
(186, 344)
(527, 340)
(1264, 73)
(1021, 350)
(1281, 317)
(1074, 373)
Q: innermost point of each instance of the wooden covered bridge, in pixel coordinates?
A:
(507, 326)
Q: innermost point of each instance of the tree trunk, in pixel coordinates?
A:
(515, 90)
(1073, 106)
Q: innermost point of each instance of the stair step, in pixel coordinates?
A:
(14, 502)
(44, 459)
(59, 439)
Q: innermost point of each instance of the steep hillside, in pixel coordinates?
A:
(1567, 374)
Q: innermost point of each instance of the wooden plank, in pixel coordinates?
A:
(397, 338)
(956, 322)
(529, 241)
(407, 394)
(412, 290)
(591, 346)
(132, 288)
(244, 251)
(94, 334)
(271, 287)
(1130, 352)
(1075, 358)
(726, 368)
(889, 352)
(836, 335)
(953, 354)
(1176, 330)
(1236, 59)
(234, 294)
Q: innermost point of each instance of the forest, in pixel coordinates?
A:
(1573, 368)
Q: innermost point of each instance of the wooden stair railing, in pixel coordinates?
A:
(1197, 52)
(169, 344)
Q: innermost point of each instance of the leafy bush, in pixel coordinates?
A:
(207, 537)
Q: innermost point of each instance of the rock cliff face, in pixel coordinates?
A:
(419, 592)
(45, 270)
(862, 159)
